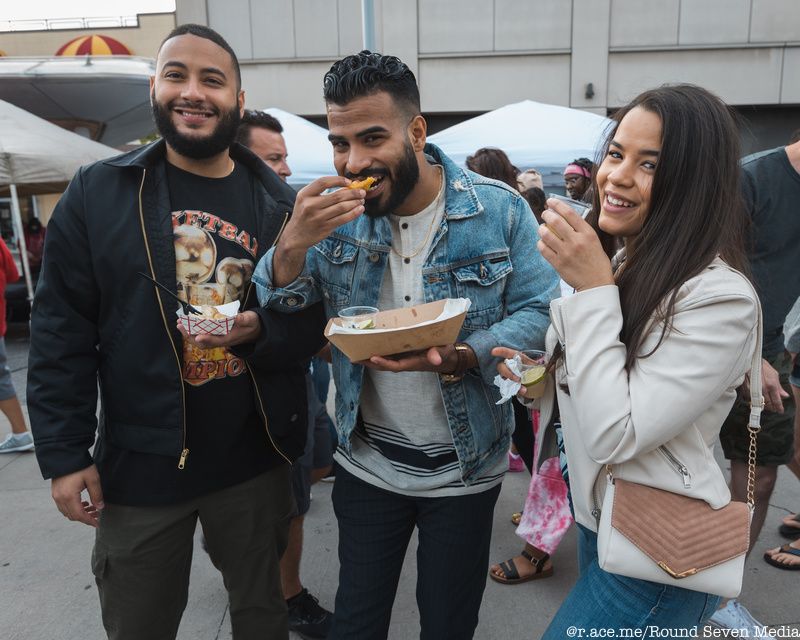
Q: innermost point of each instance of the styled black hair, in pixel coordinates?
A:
(366, 73)
(257, 119)
(585, 163)
(202, 31)
(795, 137)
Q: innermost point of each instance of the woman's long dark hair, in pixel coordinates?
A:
(696, 210)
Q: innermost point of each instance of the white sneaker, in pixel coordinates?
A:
(17, 442)
(734, 616)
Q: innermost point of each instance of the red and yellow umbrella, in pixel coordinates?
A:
(94, 46)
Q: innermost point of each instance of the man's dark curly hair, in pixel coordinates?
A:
(366, 73)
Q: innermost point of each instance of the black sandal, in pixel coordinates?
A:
(511, 575)
(789, 531)
(787, 550)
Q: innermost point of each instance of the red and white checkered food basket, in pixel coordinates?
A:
(198, 325)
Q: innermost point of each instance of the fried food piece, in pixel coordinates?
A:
(210, 312)
(365, 184)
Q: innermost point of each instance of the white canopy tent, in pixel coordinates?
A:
(109, 96)
(541, 136)
(310, 152)
(38, 157)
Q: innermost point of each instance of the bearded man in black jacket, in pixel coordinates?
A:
(191, 427)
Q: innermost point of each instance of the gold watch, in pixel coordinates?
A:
(462, 364)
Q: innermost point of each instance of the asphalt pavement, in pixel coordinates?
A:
(48, 591)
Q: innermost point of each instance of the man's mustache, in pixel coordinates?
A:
(366, 172)
(198, 106)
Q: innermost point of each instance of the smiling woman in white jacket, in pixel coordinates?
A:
(656, 422)
(651, 348)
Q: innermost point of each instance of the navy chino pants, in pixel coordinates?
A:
(375, 527)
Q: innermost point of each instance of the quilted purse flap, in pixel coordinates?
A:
(682, 535)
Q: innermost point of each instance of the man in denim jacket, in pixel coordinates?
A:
(421, 441)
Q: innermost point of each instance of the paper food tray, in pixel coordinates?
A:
(401, 330)
(198, 325)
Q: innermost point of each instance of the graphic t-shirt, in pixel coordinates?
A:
(216, 241)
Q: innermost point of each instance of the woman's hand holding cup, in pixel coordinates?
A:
(571, 245)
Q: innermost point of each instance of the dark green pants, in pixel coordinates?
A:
(142, 557)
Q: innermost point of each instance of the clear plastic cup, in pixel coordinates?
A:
(358, 317)
(581, 208)
(533, 370)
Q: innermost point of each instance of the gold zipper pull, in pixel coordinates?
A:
(182, 459)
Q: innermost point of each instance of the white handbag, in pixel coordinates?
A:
(656, 535)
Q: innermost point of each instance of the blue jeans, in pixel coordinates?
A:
(602, 600)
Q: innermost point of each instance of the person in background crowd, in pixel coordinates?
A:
(493, 163)
(672, 306)
(422, 443)
(537, 200)
(321, 375)
(790, 527)
(771, 190)
(578, 179)
(529, 179)
(263, 135)
(191, 428)
(20, 438)
(545, 518)
(34, 244)
(788, 556)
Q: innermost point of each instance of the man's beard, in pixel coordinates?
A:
(404, 178)
(197, 148)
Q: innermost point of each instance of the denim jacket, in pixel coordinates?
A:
(484, 250)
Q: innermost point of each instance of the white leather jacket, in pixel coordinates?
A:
(657, 424)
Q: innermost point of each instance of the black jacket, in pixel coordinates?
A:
(94, 318)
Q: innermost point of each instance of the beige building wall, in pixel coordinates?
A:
(142, 40)
(475, 55)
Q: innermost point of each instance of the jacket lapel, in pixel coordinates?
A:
(157, 220)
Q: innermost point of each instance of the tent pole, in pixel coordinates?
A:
(16, 215)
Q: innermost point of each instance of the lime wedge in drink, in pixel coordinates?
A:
(369, 323)
(533, 376)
